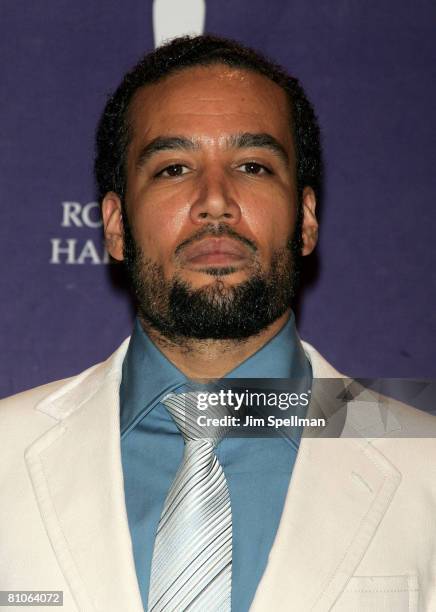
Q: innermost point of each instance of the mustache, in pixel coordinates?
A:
(222, 229)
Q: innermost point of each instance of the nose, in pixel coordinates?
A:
(215, 201)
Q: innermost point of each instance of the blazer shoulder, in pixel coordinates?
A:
(20, 404)
(413, 421)
(20, 425)
(20, 410)
(409, 422)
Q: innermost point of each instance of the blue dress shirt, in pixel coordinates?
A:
(257, 470)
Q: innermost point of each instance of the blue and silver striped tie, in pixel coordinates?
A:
(192, 558)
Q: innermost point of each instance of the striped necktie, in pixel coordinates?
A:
(192, 559)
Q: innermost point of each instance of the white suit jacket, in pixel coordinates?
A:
(357, 533)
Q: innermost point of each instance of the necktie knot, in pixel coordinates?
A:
(195, 424)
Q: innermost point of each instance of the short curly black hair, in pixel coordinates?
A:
(113, 132)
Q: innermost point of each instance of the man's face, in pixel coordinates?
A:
(211, 201)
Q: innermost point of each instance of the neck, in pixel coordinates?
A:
(203, 359)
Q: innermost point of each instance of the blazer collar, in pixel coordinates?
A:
(339, 493)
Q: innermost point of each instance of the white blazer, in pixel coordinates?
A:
(357, 533)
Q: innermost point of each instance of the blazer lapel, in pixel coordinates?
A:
(339, 493)
(78, 482)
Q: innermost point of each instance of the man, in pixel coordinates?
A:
(208, 168)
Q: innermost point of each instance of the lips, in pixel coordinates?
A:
(215, 251)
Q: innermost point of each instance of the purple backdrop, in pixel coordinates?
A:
(369, 69)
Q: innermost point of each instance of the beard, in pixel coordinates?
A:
(217, 311)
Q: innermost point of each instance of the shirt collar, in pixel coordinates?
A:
(282, 356)
(148, 375)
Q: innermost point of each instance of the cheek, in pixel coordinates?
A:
(271, 219)
(158, 224)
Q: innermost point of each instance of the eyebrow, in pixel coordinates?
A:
(165, 143)
(259, 141)
(245, 140)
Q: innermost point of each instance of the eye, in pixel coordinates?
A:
(172, 171)
(254, 168)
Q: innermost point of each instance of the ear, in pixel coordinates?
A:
(112, 215)
(310, 224)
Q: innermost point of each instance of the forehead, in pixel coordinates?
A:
(209, 102)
